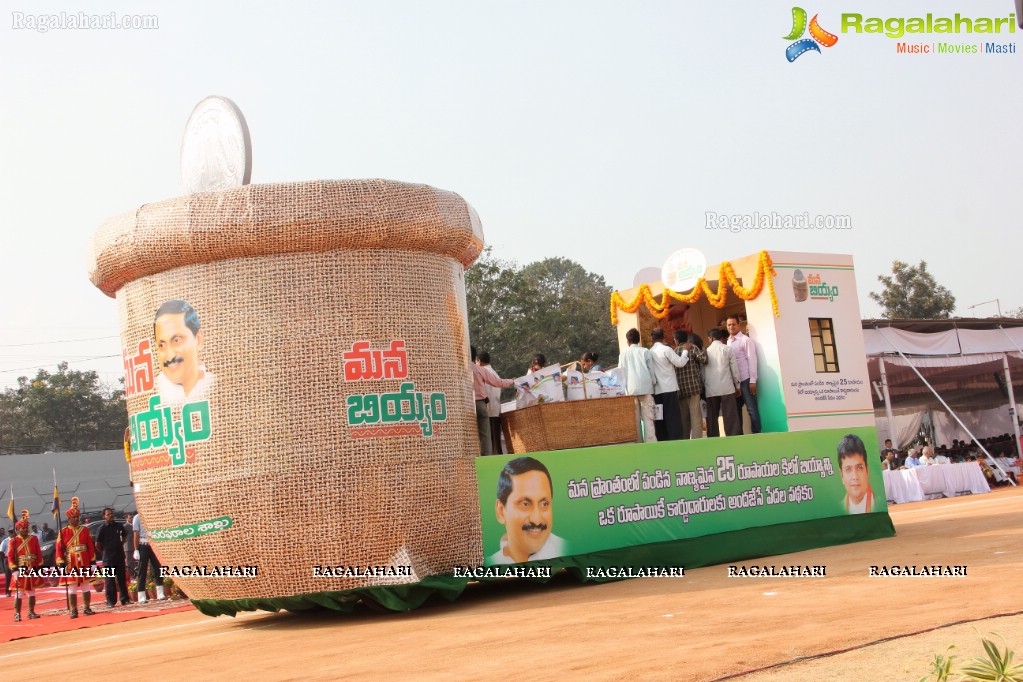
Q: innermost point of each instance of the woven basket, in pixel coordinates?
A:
(572, 424)
(285, 279)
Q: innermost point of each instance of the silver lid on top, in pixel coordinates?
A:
(216, 151)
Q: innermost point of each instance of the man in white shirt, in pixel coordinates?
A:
(721, 379)
(636, 365)
(745, 350)
(928, 458)
(664, 362)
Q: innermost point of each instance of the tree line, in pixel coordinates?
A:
(554, 306)
(67, 410)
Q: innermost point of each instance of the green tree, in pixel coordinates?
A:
(912, 293)
(554, 307)
(64, 411)
(499, 303)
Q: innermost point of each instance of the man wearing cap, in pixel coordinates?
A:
(24, 556)
(76, 554)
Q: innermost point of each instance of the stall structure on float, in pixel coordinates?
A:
(699, 502)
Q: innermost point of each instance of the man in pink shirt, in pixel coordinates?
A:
(745, 351)
(480, 380)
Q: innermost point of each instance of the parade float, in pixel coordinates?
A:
(302, 426)
(700, 502)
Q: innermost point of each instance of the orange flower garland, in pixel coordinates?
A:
(727, 278)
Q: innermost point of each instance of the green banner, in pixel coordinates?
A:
(619, 496)
(192, 530)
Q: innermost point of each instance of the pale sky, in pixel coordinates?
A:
(598, 131)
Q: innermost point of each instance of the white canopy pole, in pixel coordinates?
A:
(887, 401)
(942, 401)
(1012, 398)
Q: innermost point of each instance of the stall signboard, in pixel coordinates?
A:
(823, 373)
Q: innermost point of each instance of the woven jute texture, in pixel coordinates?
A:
(285, 279)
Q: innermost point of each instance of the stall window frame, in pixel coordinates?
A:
(821, 342)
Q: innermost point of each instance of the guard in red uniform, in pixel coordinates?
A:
(76, 554)
(25, 555)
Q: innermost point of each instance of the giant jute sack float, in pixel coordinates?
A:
(297, 382)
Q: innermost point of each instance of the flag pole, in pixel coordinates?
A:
(60, 541)
(10, 515)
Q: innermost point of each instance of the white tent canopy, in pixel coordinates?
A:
(881, 340)
(963, 360)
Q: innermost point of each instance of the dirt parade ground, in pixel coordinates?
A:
(846, 625)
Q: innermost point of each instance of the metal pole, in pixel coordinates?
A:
(887, 401)
(1012, 399)
(942, 401)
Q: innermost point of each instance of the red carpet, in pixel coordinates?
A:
(52, 607)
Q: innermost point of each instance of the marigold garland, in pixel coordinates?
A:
(726, 279)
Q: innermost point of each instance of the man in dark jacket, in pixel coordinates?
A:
(110, 544)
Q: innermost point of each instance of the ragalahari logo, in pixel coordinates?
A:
(817, 35)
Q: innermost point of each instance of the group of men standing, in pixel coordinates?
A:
(75, 554)
(677, 379)
(76, 557)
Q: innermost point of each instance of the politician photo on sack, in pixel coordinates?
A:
(179, 338)
(852, 465)
(524, 507)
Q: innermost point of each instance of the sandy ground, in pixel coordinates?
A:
(705, 626)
